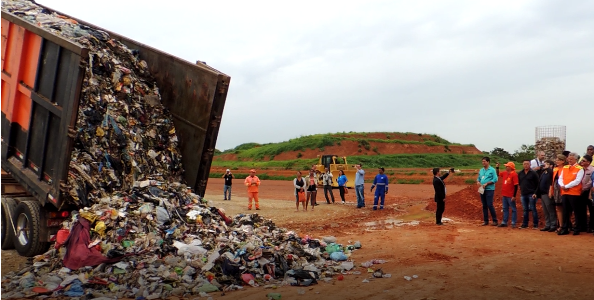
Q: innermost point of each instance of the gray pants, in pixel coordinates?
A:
(227, 192)
(328, 188)
(549, 212)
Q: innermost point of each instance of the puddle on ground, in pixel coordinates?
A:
(388, 224)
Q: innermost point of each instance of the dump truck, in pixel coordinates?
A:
(42, 76)
(333, 163)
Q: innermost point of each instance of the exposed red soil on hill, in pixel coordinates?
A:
(351, 148)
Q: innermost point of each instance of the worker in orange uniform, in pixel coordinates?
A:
(252, 182)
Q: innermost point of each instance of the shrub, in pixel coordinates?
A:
(469, 181)
(299, 155)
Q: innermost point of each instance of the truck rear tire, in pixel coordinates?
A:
(8, 210)
(27, 220)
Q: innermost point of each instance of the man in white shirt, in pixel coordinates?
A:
(327, 180)
(537, 164)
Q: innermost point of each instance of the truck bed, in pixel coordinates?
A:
(41, 85)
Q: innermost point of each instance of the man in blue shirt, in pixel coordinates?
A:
(486, 183)
(359, 185)
(381, 181)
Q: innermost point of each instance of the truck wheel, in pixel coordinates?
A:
(8, 210)
(28, 228)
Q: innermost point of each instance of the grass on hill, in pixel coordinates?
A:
(320, 141)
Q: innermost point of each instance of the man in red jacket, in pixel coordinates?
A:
(509, 189)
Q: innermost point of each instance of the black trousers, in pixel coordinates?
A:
(588, 207)
(572, 204)
(341, 189)
(440, 210)
(328, 188)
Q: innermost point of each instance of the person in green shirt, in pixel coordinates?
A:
(486, 180)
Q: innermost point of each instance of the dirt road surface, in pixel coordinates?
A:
(460, 260)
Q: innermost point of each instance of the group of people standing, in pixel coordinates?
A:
(564, 186)
(306, 188)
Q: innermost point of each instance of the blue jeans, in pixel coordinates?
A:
(487, 200)
(507, 203)
(529, 203)
(225, 190)
(379, 195)
(359, 190)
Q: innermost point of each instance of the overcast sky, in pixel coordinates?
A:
(481, 72)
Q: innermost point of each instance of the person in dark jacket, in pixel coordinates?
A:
(528, 188)
(440, 193)
(548, 204)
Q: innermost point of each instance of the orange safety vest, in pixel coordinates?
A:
(556, 171)
(569, 175)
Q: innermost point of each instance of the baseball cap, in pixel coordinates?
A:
(511, 165)
(228, 170)
(253, 170)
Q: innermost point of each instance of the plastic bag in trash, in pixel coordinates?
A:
(338, 256)
(329, 239)
(347, 265)
(331, 248)
(194, 248)
(162, 215)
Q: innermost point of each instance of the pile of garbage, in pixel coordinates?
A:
(130, 250)
(140, 232)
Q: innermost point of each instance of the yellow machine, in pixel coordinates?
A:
(332, 162)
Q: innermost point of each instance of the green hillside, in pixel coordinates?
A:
(255, 151)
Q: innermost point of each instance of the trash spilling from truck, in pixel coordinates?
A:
(139, 231)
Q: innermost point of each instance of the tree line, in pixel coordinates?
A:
(526, 152)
